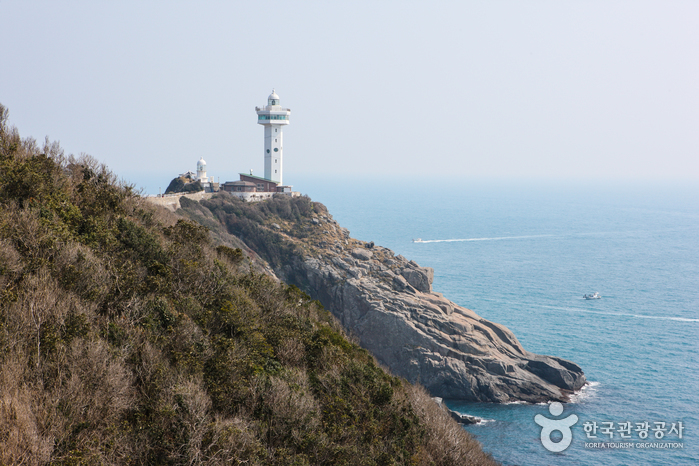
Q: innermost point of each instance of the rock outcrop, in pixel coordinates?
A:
(387, 303)
(458, 417)
(424, 337)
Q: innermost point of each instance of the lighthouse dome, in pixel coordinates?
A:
(201, 163)
(273, 98)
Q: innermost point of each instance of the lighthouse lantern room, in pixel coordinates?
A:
(273, 117)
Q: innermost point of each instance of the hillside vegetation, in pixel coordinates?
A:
(129, 335)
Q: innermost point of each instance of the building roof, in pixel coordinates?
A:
(240, 183)
(259, 178)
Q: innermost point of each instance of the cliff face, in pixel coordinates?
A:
(387, 303)
(426, 338)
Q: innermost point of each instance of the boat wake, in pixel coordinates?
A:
(637, 316)
(582, 234)
(497, 238)
(602, 313)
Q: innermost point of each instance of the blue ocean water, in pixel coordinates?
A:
(522, 254)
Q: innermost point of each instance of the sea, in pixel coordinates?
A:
(523, 253)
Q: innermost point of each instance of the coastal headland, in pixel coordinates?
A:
(387, 303)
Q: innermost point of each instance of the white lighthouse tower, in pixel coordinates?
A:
(201, 170)
(273, 117)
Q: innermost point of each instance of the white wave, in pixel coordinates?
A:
(484, 421)
(588, 390)
(497, 238)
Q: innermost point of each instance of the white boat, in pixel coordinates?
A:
(594, 295)
(417, 240)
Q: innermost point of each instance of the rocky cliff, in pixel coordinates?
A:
(388, 304)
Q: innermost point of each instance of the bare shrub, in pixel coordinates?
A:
(10, 260)
(88, 162)
(41, 301)
(149, 367)
(53, 150)
(291, 351)
(21, 439)
(82, 272)
(292, 409)
(85, 411)
(30, 237)
(234, 441)
(161, 215)
(94, 371)
(193, 415)
(10, 264)
(446, 442)
(29, 147)
(134, 312)
(189, 344)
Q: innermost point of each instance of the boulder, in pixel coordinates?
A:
(458, 417)
(399, 283)
(420, 278)
(463, 418)
(362, 254)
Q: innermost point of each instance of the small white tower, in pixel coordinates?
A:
(273, 117)
(201, 170)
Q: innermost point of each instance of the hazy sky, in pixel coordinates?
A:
(496, 89)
